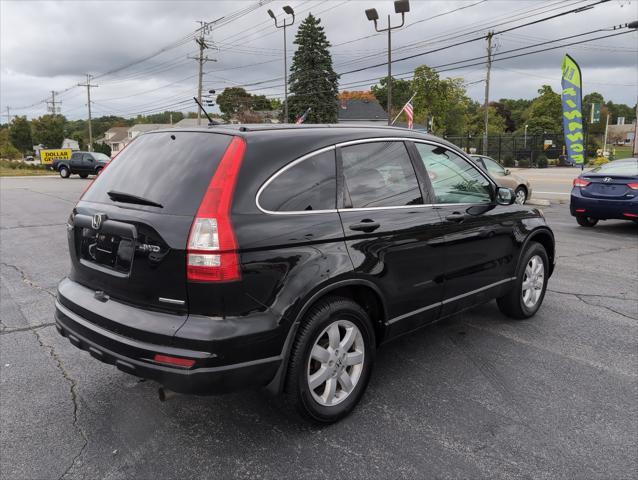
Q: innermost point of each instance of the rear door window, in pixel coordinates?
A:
(307, 185)
(379, 174)
(170, 168)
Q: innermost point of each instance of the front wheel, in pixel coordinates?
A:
(84, 175)
(331, 360)
(527, 294)
(521, 195)
(64, 172)
(586, 221)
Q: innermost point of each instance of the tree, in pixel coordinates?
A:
(313, 81)
(49, 130)
(495, 122)
(444, 100)
(20, 134)
(401, 93)
(101, 148)
(7, 150)
(546, 110)
(517, 109)
(233, 100)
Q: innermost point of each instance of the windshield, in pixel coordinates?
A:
(493, 167)
(623, 167)
(171, 169)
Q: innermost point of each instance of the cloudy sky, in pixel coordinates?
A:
(47, 45)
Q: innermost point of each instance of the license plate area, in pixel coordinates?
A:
(107, 250)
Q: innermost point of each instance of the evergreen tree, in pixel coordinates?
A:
(313, 82)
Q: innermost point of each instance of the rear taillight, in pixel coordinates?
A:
(212, 248)
(631, 215)
(581, 182)
(633, 186)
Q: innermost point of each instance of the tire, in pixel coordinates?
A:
(84, 175)
(586, 221)
(98, 170)
(520, 302)
(332, 398)
(64, 172)
(521, 195)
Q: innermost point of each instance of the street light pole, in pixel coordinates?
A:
(402, 7)
(525, 136)
(288, 9)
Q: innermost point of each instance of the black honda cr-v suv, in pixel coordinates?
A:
(215, 259)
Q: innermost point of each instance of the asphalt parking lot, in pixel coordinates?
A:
(475, 396)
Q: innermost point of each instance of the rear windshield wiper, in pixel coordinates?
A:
(129, 198)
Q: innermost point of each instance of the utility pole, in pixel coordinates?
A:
(201, 60)
(487, 89)
(8, 114)
(88, 98)
(52, 108)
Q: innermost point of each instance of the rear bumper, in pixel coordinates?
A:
(602, 209)
(136, 355)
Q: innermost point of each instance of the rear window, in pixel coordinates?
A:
(619, 168)
(170, 168)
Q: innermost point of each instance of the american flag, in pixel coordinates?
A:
(409, 111)
(303, 117)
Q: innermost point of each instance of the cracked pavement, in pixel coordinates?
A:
(475, 396)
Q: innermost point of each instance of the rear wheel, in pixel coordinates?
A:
(331, 360)
(521, 195)
(98, 170)
(586, 221)
(84, 175)
(64, 172)
(526, 297)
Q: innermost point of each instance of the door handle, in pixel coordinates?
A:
(456, 217)
(365, 225)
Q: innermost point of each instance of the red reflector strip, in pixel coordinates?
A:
(633, 186)
(180, 362)
(580, 210)
(631, 215)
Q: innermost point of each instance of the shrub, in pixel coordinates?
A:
(523, 163)
(598, 162)
(508, 161)
(541, 161)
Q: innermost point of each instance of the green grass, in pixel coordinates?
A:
(18, 172)
(624, 151)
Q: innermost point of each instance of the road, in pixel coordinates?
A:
(550, 183)
(476, 396)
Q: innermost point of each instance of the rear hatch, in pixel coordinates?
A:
(128, 234)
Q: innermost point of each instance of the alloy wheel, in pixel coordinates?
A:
(521, 196)
(336, 363)
(533, 281)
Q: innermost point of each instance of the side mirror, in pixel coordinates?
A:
(505, 196)
(507, 171)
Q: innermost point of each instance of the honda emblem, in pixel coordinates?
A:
(97, 220)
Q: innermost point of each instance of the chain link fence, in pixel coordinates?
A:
(523, 151)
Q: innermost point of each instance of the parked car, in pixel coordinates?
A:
(505, 178)
(606, 192)
(283, 256)
(82, 163)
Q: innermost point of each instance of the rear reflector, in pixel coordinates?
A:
(581, 182)
(580, 210)
(180, 362)
(212, 248)
(631, 215)
(633, 186)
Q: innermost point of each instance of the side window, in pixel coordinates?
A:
(379, 174)
(453, 179)
(308, 185)
(88, 158)
(76, 157)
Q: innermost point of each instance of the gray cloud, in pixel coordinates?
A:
(51, 45)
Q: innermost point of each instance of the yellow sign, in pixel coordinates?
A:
(47, 156)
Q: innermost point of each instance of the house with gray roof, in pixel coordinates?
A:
(362, 112)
